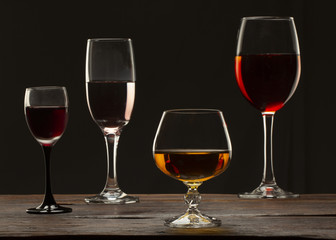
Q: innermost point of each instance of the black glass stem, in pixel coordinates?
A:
(268, 67)
(49, 204)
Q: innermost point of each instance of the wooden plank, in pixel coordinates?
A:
(309, 217)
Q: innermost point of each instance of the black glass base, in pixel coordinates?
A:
(49, 209)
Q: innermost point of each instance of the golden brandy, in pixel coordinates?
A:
(192, 165)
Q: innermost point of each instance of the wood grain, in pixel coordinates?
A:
(308, 217)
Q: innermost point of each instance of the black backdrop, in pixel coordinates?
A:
(184, 52)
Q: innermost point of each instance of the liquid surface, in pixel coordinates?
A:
(48, 123)
(268, 81)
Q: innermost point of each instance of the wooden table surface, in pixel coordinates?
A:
(308, 217)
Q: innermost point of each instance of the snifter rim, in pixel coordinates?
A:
(288, 18)
(193, 111)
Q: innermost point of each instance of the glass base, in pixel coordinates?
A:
(194, 220)
(268, 191)
(115, 197)
(49, 209)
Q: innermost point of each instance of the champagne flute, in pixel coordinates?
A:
(192, 146)
(267, 66)
(46, 112)
(110, 92)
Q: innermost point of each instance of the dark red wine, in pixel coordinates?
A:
(47, 123)
(268, 81)
(110, 102)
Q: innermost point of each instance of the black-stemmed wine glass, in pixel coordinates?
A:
(46, 112)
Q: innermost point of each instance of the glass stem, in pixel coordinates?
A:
(111, 141)
(48, 197)
(192, 197)
(268, 175)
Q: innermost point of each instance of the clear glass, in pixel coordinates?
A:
(267, 66)
(192, 146)
(110, 93)
(46, 112)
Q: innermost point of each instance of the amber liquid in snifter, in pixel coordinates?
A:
(189, 165)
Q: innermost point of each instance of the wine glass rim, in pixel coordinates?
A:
(45, 87)
(287, 18)
(193, 111)
(109, 39)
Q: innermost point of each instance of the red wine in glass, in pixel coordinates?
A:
(110, 93)
(46, 111)
(267, 67)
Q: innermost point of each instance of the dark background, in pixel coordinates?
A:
(184, 53)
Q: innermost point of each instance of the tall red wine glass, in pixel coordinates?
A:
(267, 66)
(110, 93)
(46, 111)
